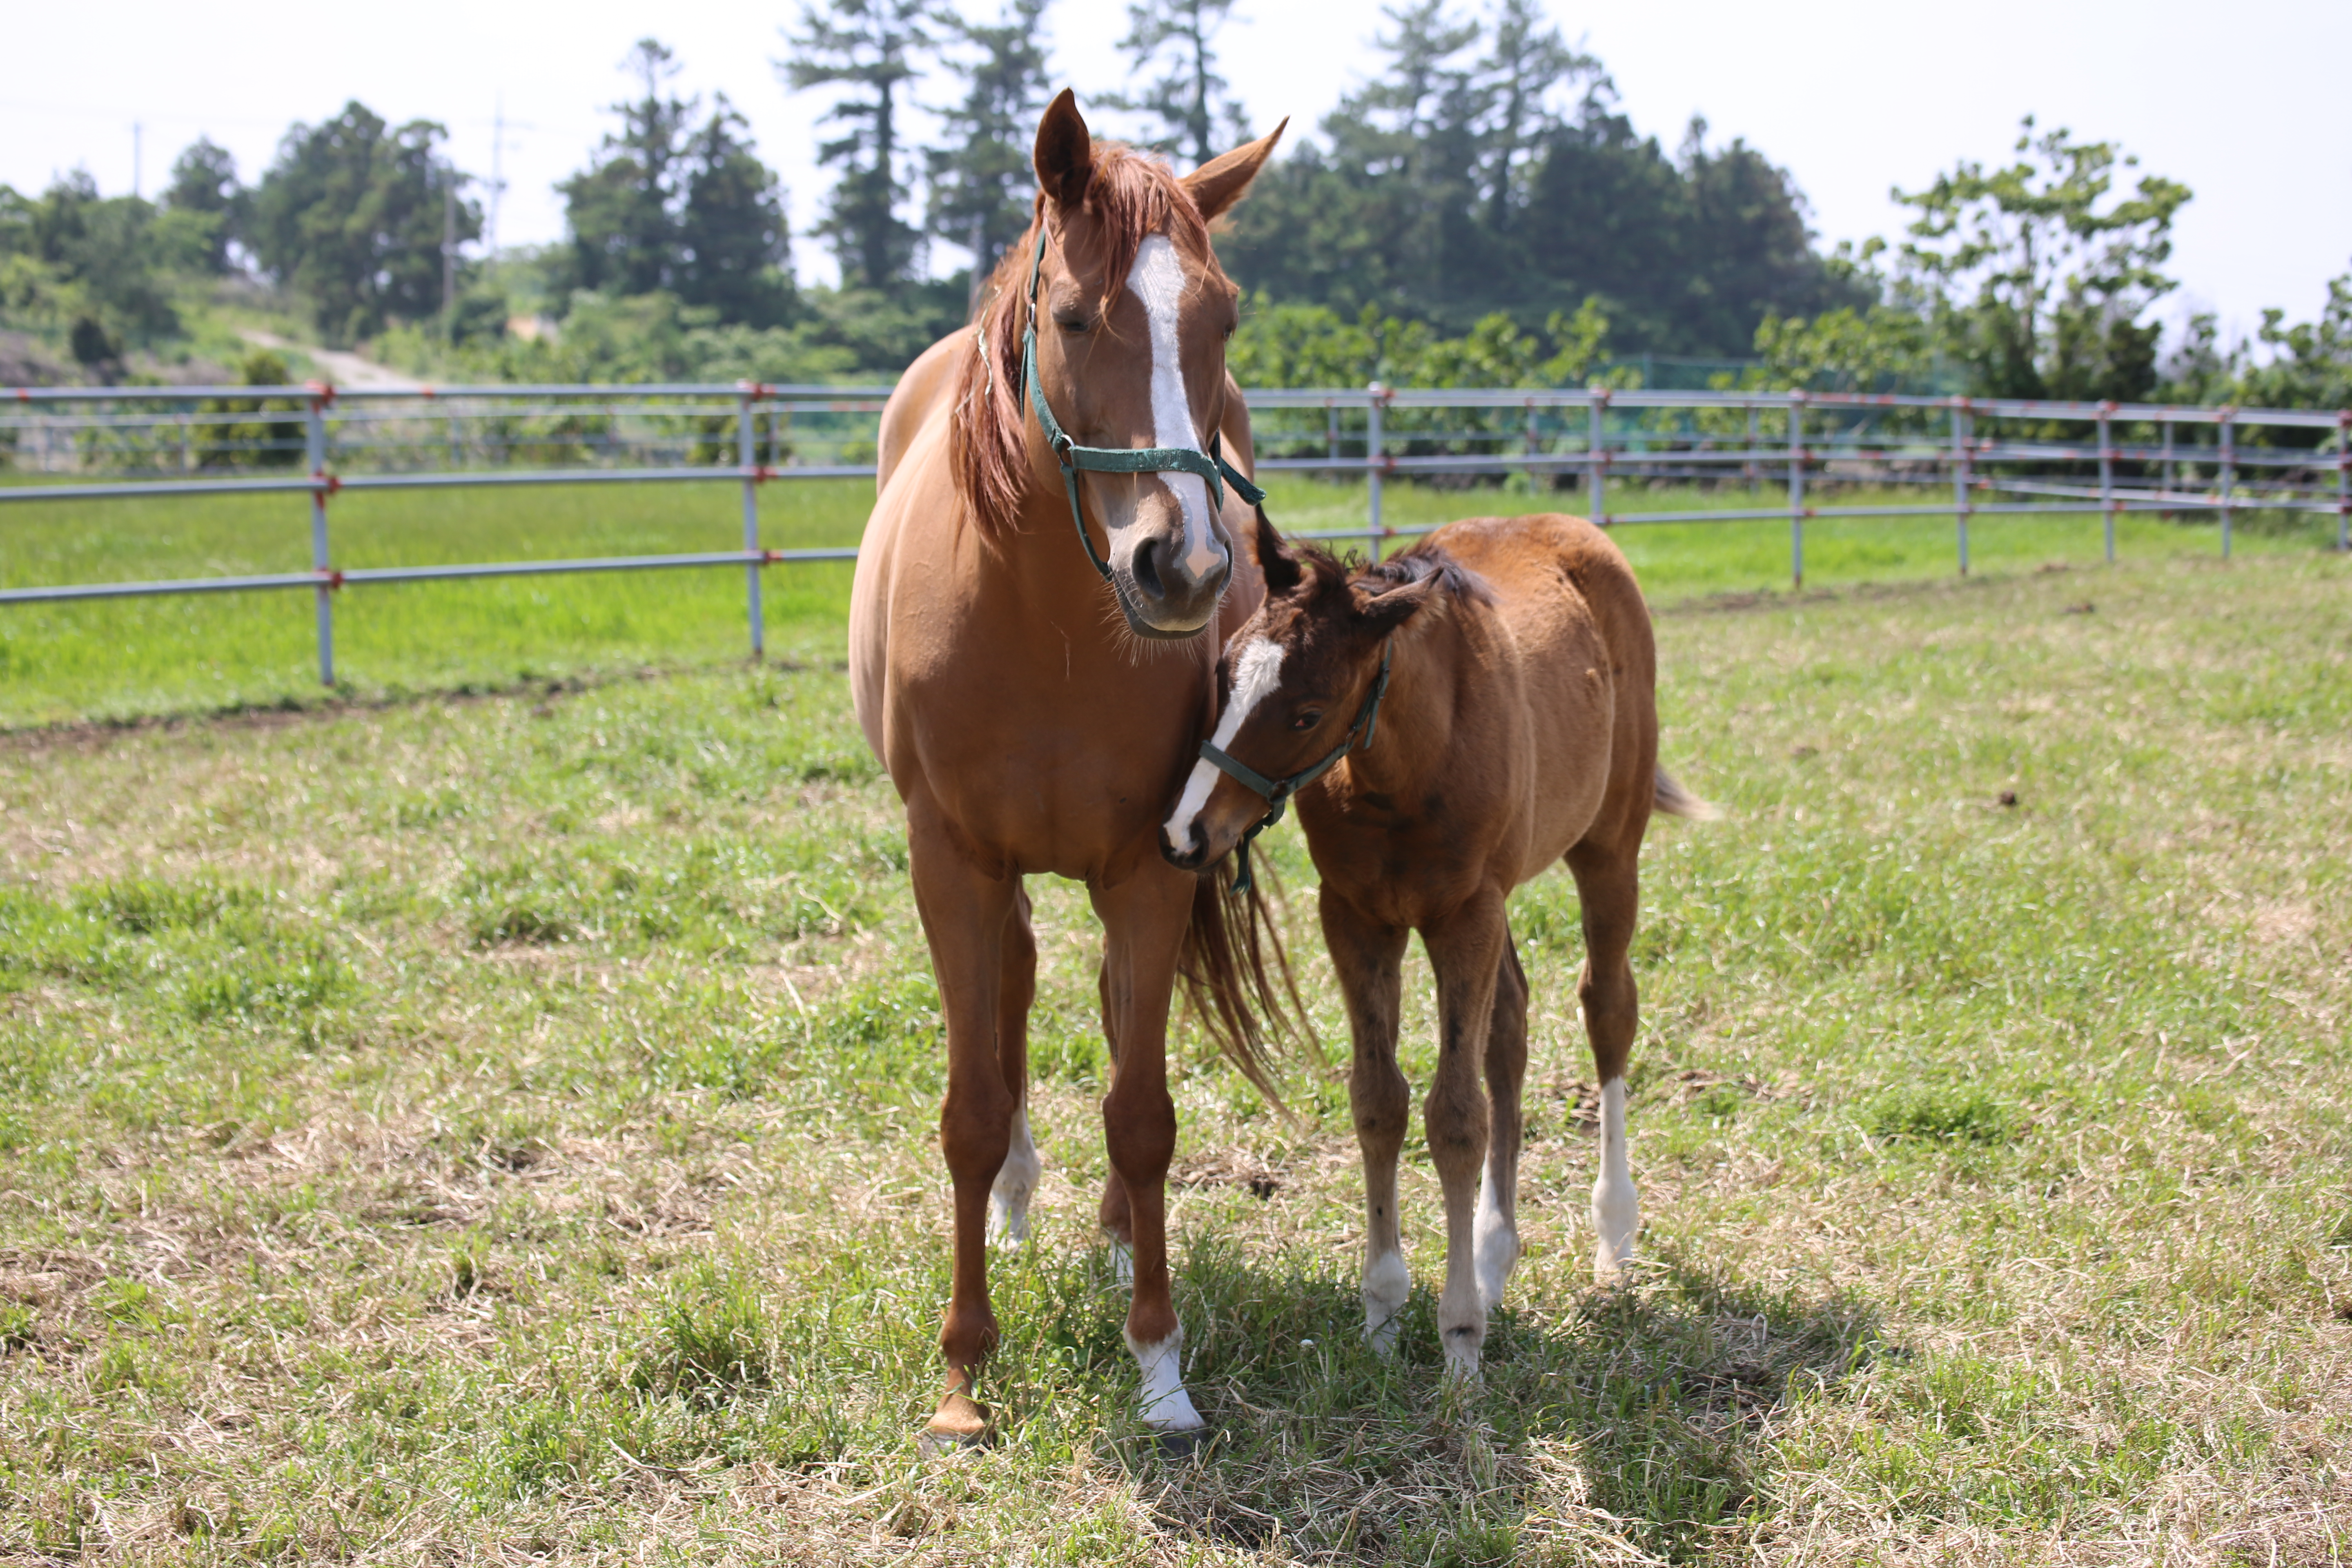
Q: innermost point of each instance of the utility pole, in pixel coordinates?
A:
(448, 254)
(137, 158)
(498, 179)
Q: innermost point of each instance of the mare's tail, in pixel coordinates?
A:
(1675, 801)
(1237, 978)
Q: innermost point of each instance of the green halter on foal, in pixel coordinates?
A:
(1209, 466)
(1276, 792)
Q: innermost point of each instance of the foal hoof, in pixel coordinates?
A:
(959, 1425)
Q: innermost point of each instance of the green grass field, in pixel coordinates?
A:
(130, 658)
(500, 1127)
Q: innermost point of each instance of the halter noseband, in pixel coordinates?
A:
(1276, 792)
(1208, 466)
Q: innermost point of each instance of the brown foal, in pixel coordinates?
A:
(1030, 705)
(1503, 673)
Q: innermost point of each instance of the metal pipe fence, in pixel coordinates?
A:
(2001, 457)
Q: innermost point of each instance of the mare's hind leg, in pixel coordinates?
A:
(1506, 1068)
(1367, 953)
(1466, 950)
(1607, 884)
(1016, 1179)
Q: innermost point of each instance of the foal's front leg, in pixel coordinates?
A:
(1367, 953)
(1466, 948)
(1507, 1071)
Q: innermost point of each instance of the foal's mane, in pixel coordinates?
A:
(1424, 561)
(1129, 197)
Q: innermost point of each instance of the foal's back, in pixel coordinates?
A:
(1562, 672)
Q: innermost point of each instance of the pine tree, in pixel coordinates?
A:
(980, 176)
(863, 46)
(1191, 100)
(204, 190)
(622, 208)
(1524, 66)
(737, 245)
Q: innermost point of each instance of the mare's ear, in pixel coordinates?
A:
(1219, 182)
(1281, 567)
(1065, 152)
(1384, 613)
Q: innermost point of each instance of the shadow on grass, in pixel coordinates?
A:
(1626, 1425)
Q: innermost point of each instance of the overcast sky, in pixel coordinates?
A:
(2250, 105)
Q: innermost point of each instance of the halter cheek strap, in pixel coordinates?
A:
(1210, 466)
(1276, 792)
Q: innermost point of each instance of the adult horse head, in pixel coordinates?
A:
(1048, 573)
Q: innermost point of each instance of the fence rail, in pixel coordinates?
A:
(2001, 457)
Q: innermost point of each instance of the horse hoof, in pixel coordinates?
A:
(1181, 1445)
(959, 1425)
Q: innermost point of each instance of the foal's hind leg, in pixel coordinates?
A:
(1016, 1179)
(1607, 884)
(1367, 953)
(1507, 1069)
(1466, 950)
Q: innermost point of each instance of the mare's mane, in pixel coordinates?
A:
(1130, 197)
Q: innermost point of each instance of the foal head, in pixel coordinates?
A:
(1132, 313)
(1296, 680)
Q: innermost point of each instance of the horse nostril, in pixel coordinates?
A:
(1145, 568)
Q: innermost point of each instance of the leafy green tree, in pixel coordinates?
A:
(979, 174)
(1188, 99)
(865, 47)
(87, 266)
(205, 197)
(2039, 279)
(350, 217)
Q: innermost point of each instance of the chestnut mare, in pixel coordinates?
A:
(1453, 719)
(1032, 693)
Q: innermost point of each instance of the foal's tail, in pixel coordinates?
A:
(1675, 801)
(1237, 978)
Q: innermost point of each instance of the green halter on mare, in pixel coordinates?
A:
(1073, 458)
(1277, 792)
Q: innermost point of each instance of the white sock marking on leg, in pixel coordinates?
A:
(1016, 1179)
(1387, 1283)
(1496, 1245)
(1157, 279)
(1122, 1263)
(1165, 1406)
(1257, 675)
(1616, 1205)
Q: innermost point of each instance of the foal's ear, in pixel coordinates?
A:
(1281, 567)
(1065, 152)
(1219, 182)
(1384, 613)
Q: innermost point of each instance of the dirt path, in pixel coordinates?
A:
(342, 368)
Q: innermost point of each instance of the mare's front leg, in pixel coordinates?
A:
(1144, 920)
(966, 910)
(1608, 885)
(1466, 948)
(1016, 1179)
(1367, 953)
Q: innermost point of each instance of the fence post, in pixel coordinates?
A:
(2169, 476)
(2228, 471)
(1749, 467)
(1535, 442)
(1596, 456)
(1963, 475)
(2344, 480)
(1796, 490)
(1332, 430)
(316, 444)
(1375, 459)
(747, 453)
(2107, 476)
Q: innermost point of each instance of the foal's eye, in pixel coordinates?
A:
(1309, 720)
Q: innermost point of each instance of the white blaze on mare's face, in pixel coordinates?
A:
(1157, 279)
(1616, 1207)
(1257, 675)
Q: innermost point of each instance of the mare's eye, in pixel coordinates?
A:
(1073, 324)
(1307, 719)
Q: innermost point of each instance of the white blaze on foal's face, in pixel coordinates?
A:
(1257, 675)
(1157, 279)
